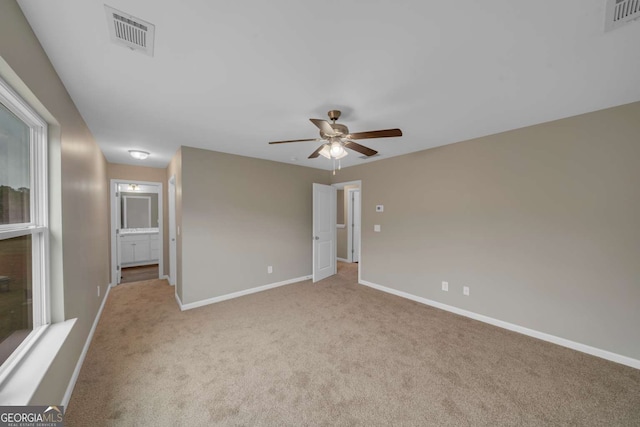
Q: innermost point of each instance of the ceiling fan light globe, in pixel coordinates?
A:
(344, 154)
(326, 151)
(336, 150)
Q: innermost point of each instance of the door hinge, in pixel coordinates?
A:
(117, 194)
(118, 268)
(117, 231)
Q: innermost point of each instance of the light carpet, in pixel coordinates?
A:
(332, 353)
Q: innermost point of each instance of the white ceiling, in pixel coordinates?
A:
(231, 76)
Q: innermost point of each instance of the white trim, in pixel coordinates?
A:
(341, 225)
(341, 185)
(165, 277)
(221, 298)
(343, 260)
(23, 383)
(21, 352)
(38, 223)
(140, 264)
(604, 354)
(85, 349)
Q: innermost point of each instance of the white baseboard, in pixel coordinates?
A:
(604, 354)
(214, 300)
(178, 301)
(76, 371)
(343, 260)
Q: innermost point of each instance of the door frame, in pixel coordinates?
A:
(113, 189)
(350, 223)
(340, 186)
(173, 250)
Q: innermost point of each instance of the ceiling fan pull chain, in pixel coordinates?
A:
(334, 166)
(339, 166)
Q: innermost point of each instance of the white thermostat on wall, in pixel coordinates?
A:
(379, 208)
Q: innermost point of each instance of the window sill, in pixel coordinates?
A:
(25, 378)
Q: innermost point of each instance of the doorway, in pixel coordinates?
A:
(349, 219)
(353, 224)
(136, 231)
(173, 256)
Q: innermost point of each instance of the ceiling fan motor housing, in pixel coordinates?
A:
(339, 129)
(334, 115)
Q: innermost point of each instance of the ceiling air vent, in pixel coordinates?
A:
(620, 12)
(131, 32)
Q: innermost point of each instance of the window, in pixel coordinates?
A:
(24, 307)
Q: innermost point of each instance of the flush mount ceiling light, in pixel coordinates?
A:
(139, 155)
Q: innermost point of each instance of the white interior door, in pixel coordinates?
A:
(355, 229)
(324, 231)
(172, 232)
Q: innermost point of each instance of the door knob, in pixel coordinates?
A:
(317, 238)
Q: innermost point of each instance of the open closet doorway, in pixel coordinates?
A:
(349, 220)
(353, 224)
(136, 231)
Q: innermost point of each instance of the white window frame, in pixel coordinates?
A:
(37, 227)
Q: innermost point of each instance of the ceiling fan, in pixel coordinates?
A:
(338, 138)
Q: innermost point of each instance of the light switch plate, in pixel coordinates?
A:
(379, 208)
(376, 228)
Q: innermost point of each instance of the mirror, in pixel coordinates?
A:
(139, 210)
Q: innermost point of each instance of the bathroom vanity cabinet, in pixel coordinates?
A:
(139, 249)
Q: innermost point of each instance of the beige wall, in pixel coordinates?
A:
(342, 243)
(175, 169)
(240, 215)
(341, 207)
(541, 223)
(78, 195)
(143, 173)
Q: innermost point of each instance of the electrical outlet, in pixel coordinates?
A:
(465, 290)
(98, 291)
(270, 269)
(376, 228)
(445, 286)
